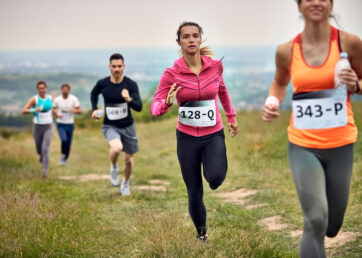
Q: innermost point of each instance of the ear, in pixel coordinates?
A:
(299, 8)
(332, 4)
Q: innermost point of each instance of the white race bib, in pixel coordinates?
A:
(117, 111)
(66, 115)
(320, 109)
(198, 113)
(45, 117)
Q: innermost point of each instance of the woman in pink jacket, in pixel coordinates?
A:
(196, 81)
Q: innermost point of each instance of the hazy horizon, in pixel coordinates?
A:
(92, 24)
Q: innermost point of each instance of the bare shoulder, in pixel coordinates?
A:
(351, 43)
(283, 54)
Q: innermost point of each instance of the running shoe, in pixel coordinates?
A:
(114, 176)
(202, 236)
(62, 160)
(203, 239)
(125, 191)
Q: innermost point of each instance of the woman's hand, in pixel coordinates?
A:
(270, 109)
(348, 77)
(233, 128)
(38, 109)
(172, 94)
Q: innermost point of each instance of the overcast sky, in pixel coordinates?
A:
(64, 24)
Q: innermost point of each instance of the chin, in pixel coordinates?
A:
(193, 52)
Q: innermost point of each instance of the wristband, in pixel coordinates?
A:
(358, 87)
(272, 100)
(32, 110)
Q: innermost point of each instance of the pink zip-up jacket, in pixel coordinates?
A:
(207, 86)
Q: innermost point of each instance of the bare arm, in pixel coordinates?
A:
(78, 110)
(28, 106)
(352, 44)
(278, 88)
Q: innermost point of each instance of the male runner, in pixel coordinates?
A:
(65, 106)
(120, 94)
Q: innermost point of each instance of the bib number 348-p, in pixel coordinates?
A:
(198, 113)
(117, 111)
(320, 109)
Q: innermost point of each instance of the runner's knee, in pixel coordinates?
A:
(318, 222)
(128, 161)
(334, 228)
(116, 150)
(216, 181)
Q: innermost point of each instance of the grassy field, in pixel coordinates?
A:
(59, 218)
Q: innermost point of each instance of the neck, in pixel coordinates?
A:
(42, 95)
(65, 96)
(316, 32)
(193, 60)
(117, 80)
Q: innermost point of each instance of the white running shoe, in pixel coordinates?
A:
(125, 191)
(114, 176)
(62, 160)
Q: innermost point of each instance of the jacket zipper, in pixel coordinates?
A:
(198, 84)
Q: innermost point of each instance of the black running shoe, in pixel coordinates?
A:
(203, 239)
(202, 236)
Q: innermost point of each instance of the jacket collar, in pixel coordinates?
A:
(180, 65)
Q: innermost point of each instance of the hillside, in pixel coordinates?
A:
(75, 212)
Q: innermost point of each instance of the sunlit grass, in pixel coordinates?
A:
(55, 217)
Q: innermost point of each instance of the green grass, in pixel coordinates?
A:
(60, 218)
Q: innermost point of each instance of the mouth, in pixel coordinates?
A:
(192, 46)
(316, 11)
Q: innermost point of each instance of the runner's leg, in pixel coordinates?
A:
(310, 183)
(115, 150)
(128, 165)
(47, 138)
(63, 138)
(189, 156)
(69, 132)
(214, 160)
(338, 179)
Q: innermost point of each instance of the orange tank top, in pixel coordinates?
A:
(306, 78)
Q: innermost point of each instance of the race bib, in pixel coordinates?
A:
(320, 109)
(117, 111)
(45, 117)
(66, 115)
(197, 113)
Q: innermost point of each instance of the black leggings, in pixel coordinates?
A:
(322, 178)
(210, 151)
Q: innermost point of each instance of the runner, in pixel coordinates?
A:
(120, 94)
(64, 107)
(322, 131)
(196, 80)
(41, 107)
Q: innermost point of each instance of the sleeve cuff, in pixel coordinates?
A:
(231, 119)
(165, 106)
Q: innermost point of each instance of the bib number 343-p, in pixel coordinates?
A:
(198, 113)
(320, 109)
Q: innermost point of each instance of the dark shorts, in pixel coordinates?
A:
(127, 136)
